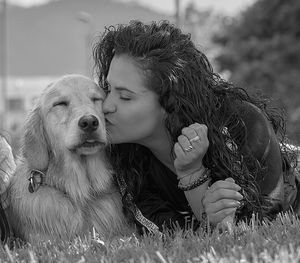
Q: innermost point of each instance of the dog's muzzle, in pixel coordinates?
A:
(88, 123)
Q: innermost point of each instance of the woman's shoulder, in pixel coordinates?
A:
(259, 130)
(250, 112)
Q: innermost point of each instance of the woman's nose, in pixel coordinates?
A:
(108, 105)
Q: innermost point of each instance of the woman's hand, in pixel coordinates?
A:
(7, 164)
(221, 201)
(190, 149)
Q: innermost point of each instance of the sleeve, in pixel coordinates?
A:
(263, 144)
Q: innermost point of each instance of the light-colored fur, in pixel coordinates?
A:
(79, 193)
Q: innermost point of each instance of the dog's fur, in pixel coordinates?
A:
(79, 193)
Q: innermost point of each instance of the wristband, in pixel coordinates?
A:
(201, 180)
(189, 174)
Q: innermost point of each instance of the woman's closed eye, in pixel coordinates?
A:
(125, 94)
(122, 97)
(120, 92)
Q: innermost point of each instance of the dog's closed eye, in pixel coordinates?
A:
(95, 99)
(63, 103)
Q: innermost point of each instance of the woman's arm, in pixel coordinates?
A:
(262, 143)
(218, 201)
(222, 198)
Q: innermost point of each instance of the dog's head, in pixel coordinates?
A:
(67, 117)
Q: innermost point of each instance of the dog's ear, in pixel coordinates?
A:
(35, 144)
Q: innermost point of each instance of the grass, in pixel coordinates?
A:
(274, 242)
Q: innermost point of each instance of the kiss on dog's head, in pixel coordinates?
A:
(63, 186)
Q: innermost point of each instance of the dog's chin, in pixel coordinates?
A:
(89, 148)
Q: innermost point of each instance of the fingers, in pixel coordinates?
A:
(222, 195)
(189, 132)
(230, 179)
(196, 133)
(178, 150)
(199, 128)
(220, 215)
(185, 144)
(5, 148)
(190, 148)
(193, 137)
(224, 184)
(221, 200)
(221, 205)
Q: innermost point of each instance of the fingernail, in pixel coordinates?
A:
(242, 203)
(229, 179)
(238, 187)
(234, 203)
(239, 196)
(237, 203)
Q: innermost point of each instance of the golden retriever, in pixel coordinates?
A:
(63, 186)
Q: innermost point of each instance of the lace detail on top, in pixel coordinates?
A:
(149, 225)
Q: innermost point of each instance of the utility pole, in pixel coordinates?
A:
(3, 64)
(87, 20)
(177, 13)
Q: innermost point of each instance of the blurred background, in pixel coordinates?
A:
(253, 43)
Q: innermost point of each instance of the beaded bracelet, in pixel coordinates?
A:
(202, 170)
(201, 180)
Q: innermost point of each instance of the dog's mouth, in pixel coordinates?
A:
(91, 144)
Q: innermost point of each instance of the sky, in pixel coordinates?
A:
(229, 7)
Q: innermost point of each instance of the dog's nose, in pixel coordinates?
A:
(88, 123)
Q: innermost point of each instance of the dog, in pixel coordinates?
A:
(63, 185)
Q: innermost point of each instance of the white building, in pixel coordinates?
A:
(21, 93)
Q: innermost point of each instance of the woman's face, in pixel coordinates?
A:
(132, 111)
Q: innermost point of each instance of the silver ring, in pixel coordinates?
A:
(188, 149)
(196, 138)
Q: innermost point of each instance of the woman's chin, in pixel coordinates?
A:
(117, 140)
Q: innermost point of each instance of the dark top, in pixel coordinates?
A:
(164, 204)
(160, 199)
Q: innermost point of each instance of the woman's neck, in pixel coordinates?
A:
(161, 148)
(164, 157)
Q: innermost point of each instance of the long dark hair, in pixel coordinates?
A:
(189, 91)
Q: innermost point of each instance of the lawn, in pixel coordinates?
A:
(274, 242)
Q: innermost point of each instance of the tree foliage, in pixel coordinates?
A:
(261, 51)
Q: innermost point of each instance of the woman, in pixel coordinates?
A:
(185, 142)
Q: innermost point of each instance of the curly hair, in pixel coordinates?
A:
(190, 92)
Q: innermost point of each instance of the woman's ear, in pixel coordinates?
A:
(35, 147)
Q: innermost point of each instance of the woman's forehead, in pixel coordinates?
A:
(124, 72)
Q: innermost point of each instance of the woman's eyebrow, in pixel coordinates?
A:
(119, 88)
